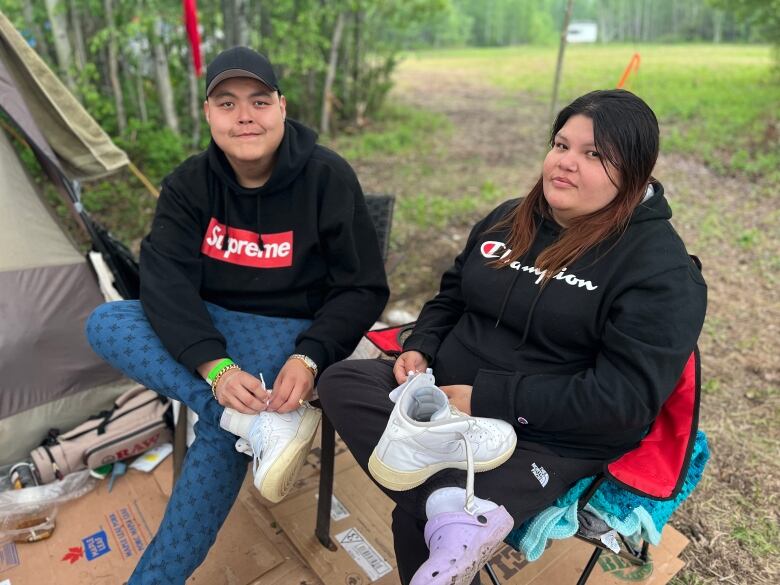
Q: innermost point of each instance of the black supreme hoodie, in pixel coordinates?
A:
(584, 363)
(302, 245)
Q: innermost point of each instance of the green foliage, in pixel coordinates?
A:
(93, 100)
(715, 102)
(401, 131)
(749, 238)
(155, 150)
(761, 538)
(764, 15)
(507, 22)
(122, 205)
(435, 211)
(427, 211)
(511, 22)
(686, 578)
(711, 386)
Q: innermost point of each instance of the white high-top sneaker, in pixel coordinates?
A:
(426, 434)
(279, 444)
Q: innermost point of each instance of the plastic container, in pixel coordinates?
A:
(28, 515)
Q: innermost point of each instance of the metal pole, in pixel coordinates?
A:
(559, 64)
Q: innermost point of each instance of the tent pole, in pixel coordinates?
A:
(141, 177)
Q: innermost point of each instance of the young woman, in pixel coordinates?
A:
(569, 314)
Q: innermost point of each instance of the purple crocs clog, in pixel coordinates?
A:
(460, 544)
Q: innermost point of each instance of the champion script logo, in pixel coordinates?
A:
(243, 248)
(493, 249)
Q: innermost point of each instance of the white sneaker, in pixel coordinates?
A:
(280, 444)
(426, 434)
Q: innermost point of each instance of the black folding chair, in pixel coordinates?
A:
(380, 208)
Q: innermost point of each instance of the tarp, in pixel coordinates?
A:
(83, 148)
(29, 236)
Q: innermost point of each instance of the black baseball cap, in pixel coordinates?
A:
(240, 62)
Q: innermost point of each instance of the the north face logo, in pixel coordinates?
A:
(242, 247)
(540, 473)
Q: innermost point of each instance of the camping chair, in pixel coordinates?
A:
(656, 469)
(380, 209)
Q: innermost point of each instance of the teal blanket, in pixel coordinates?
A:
(628, 513)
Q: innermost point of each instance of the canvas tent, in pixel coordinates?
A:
(49, 377)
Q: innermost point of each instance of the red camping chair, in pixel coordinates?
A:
(655, 469)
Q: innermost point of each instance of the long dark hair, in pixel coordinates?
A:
(625, 132)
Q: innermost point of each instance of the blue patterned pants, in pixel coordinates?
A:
(213, 471)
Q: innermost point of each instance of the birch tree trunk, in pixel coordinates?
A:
(357, 97)
(78, 34)
(330, 76)
(229, 22)
(139, 89)
(113, 68)
(717, 26)
(242, 22)
(266, 26)
(59, 28)
(194, 100)
(603, 26)
(637, 9)
(163, 75)
(234, 14)
(40, 39)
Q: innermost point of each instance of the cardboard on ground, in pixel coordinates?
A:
(99, 538)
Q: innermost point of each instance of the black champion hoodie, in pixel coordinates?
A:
(583, 364)
(302, 246)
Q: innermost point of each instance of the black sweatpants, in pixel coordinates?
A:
(354, 395)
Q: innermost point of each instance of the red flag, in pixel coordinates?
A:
(191, 23)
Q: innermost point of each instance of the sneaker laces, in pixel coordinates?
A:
(470, 505)
(258, 435)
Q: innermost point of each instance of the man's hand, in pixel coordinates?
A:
(295, 382)
(242, 391)
(460, 396)
(408, 361)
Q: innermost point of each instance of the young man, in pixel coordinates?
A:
(262, 265)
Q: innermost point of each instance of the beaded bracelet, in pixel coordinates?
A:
(215, 381)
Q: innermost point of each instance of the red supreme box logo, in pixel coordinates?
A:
(243, 248)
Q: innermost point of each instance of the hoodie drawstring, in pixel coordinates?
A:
(527, 326)
(260, 241)
(509, 289)
(507, 293)
(226, 239)
(224, 244)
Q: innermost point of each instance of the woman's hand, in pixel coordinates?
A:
(408, 361)
(241, 391)
(460, 396)
(295, 382)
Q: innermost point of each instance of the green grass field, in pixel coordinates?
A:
(720, 103)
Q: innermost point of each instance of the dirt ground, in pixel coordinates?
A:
(730, 222)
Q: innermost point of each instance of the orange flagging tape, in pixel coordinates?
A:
(633, 65)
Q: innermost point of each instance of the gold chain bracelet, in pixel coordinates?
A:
(219, 375)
